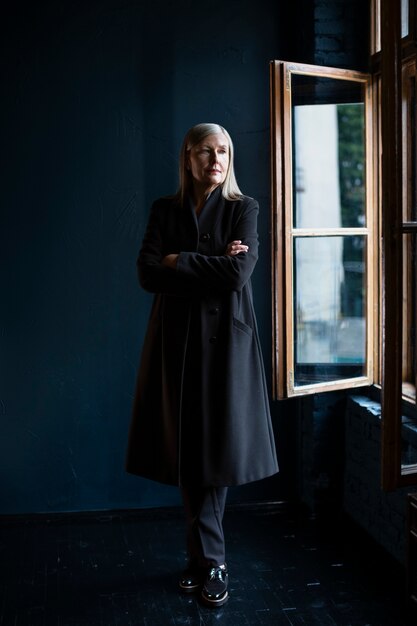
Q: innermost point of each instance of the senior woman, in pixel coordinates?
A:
(201, 417)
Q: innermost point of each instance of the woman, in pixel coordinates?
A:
(201, 417)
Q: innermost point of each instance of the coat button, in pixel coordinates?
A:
(213, 339)
(205, 237)
(214, 311)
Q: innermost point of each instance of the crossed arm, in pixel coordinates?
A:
(192, 272)
(233, 248)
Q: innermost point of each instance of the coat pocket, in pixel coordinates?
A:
(241, 326)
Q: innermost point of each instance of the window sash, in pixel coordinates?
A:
(284, 232)
(395, 111)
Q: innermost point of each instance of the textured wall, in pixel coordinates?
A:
(382, 514)
(98, 97)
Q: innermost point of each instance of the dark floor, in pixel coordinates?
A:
(121, 570)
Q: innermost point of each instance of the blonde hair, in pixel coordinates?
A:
(230, 188)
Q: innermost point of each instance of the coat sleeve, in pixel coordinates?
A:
(153, 276)
(226, 273)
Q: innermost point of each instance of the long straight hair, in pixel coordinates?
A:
(230, 188)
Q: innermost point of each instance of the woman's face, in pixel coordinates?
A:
(208, 162)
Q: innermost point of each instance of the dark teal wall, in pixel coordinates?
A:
(96, 99)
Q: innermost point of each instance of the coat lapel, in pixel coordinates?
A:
(206, 223)
(211, 212)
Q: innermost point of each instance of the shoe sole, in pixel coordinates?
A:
(190, 589)
(215, 603)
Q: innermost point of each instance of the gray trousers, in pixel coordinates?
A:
(204, 510)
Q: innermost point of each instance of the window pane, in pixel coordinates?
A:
(409, 313)
(329, 308)
(322, 241)
(404, 18)
(376, 26)
(328, 153)
(409, 143)
(409, 422)
(408, 445)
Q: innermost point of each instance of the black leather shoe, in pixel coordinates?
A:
(214, 592)
(192, 579)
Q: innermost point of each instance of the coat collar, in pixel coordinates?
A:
(210, 212)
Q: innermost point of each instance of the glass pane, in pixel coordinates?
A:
(409, 314)
(409, 145)
(377, 25)
(328, 152)
(404, 18)
(408, 444)
(329, 308)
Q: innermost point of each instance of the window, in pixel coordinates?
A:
(323, 220)
(397, 68)
(345, 230)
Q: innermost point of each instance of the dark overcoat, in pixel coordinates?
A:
(201, 412)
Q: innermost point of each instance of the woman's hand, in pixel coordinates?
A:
(235, 247)
(170, 260)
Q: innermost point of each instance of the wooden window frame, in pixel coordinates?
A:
(284, 233)
(397, 60)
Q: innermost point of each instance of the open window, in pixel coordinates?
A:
(344, 221)
(323, 217)
(395, 63)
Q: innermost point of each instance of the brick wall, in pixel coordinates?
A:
(382, 514)
(340, 467)
(341, 33)
(321, 445)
